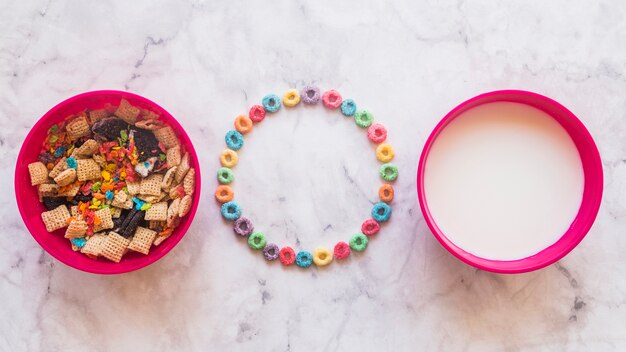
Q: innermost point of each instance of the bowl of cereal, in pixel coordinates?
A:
(107, 182)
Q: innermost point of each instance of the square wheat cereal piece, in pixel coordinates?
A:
(116, 212)
(133, 187)
(59, 167)
(151, 185)
(114, 247)
(38, 173)
(185, 206)
(106, 219)
(149, 114)
(142, 241)
(78, 127)
(168, 178)
(69, 191)
(88, 148)
(47, 189)
(122, 200)
(157, 211)
(66, 177)
(173, 156)
(127, 112)
(97, 115)
(56, 218)
(167, 136)
(183, 167)
(189, 183)
(76, 228)
(93, 246)
(87, 169)
(75, 212)
(160, 239)
(100, 160)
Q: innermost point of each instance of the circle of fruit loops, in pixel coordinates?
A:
(332, 100)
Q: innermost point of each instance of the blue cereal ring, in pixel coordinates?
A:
(348, 107)
(231, 211)
(234, 140)
(304, 259)
(381, 212)
(271, 102)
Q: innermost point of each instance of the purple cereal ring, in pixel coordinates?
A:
(310, 95)
(270, 252)
(243, 227)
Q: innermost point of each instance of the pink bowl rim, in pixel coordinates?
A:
(114, 268)
(592, 169)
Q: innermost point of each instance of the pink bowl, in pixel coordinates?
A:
(30, 207)
(592, 194)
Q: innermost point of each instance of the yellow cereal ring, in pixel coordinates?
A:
(384, 152)
(322, 256)
(229, 158)
(291, 98)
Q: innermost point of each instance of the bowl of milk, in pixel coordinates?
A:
(510, 181)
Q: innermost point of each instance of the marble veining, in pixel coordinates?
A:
(308, 177)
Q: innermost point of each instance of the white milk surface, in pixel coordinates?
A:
(503, 181)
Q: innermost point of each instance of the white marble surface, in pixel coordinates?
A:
(409, 62)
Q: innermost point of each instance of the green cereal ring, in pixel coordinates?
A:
(257, 241)
(389, 172)
(358, 242)
(225, 175)
(363, 118)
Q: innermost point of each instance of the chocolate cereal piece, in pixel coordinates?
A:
(114, 247)
(38, 173)
(146, 143)
(53, 202)
(109, 129)
(55, 219)
(135, 221)
(142, 240)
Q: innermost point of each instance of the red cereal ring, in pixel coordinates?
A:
(370, 227)
(377, 133)
(342, 250)
(257, 113)
(332, 99)
(287, 256)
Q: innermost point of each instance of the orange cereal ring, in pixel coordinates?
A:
(224, 194)
(243, 124)
(385, 193)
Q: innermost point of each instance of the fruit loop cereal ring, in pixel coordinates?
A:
(229, 158)
(322, 256)
(342, 250)
(231, 211)
(291, 98)
(224, 194)
(287, 256)
(234, 140)
(389, 172)
(385, 193)
(363, 118)
(304, 259)
(243, 227)
(358, 242)
(348, 107)
(377, 133)
(270, 251)
(271, 103)
(331, 99)
(225, 175)
(310, 95)
(243, 124)
(370, 227)
(256, 113)
(384, 152)
(381, 212)
(257, 241)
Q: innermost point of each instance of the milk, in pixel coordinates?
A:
(503, 181)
